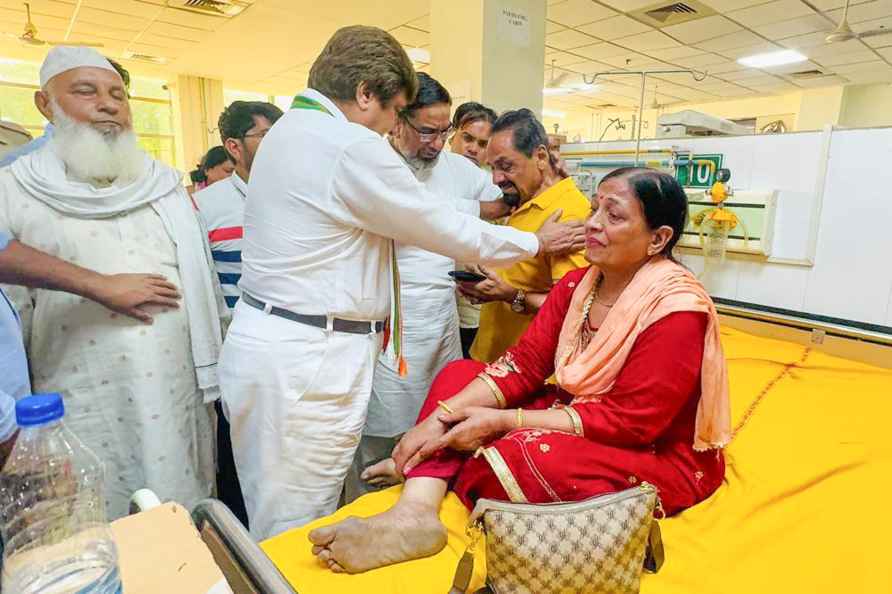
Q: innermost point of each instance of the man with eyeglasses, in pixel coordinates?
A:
(430, 318)
(222, 208)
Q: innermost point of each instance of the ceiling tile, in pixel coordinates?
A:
(674, 54)
(743, 74)
(631, 60)
(728, 5)
(732, 66)
(702, 29)
(590, 67)
(886, 52)
(615, 27)
(552, 27)
(764, 14)
(424, 23)
(560, 58)
(848, 58)
(834, 49)
(411, 37)
(750, 50)
(573, 13)
(730, 41)
(794, 27)
(875, 66)
(599, 51)
(864, 12)
(702, 60)
(869, 77)
(824, 81)
(627, 5)
(654, 40)
(111, 19)
(568, 39)
(805, 41)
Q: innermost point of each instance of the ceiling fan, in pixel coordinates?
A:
(844, 32)
(556, 84)
(29, 35)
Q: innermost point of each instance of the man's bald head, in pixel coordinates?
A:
(88, 95)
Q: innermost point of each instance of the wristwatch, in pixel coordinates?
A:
(519, 305)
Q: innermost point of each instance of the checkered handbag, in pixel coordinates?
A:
(597, 546)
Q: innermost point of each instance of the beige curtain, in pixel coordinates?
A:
(197, 103)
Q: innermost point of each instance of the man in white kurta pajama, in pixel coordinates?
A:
(136, 394)
(326, 198)
(430, 316)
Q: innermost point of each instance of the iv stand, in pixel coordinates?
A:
(697, 76)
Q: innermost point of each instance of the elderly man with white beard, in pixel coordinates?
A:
(137, 394)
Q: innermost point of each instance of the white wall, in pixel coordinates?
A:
(851, 277)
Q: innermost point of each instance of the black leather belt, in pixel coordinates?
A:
(338, 325)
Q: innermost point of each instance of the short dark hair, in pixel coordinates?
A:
(470, 112)
(122, 72)
(529, 133)
(360, 54)
(430, 92)
(211, 159)
(238, 117)
(662, 198)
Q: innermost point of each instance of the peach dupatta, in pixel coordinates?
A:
(659, 288)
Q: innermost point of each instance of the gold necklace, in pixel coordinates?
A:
(585, 333)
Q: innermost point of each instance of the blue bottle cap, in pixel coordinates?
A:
(39, 409)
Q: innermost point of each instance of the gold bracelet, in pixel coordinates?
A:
(445, 407)
(519, 418)
(494, 388)
(575, 419)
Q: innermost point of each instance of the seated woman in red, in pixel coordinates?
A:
(641, 394)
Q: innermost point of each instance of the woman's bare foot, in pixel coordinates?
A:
(408, 530)
(382, 474)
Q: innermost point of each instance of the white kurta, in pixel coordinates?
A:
(129, 389)
(430, 316)
(325, 200)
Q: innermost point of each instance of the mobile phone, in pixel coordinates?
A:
(466, 277)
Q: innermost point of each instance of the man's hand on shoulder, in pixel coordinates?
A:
(557, 239)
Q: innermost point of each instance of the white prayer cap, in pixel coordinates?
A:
(64, 58)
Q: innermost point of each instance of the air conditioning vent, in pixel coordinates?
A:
(805, 74)
(220, 8)
(665, 14)
(144, 58)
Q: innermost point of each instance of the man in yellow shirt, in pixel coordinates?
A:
(524, 169)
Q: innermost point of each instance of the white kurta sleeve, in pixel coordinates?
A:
(373, 190)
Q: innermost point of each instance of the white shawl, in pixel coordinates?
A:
(42, 175)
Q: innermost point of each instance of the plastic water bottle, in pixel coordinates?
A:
(56, 537)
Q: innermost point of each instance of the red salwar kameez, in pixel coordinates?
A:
(642, 430)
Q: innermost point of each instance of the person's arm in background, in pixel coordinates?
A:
(122, 293)
(373, 190)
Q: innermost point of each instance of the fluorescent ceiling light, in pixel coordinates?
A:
(553, 113)
(778, 58)
(419, 54)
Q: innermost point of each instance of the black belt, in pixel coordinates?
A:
(337, 324)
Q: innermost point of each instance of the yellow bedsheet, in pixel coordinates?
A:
(805, 506)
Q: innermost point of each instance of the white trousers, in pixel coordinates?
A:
(296, 398)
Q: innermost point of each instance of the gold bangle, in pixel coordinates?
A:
(494, 388)
(445, 407)
(575, 419)
(519, 418)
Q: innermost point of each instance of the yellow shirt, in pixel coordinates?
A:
(500, 328)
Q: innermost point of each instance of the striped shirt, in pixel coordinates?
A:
(222, 207)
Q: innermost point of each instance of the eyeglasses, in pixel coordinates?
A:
(258, 134)
(427, 134)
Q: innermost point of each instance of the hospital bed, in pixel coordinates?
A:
(804, 507)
